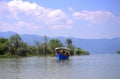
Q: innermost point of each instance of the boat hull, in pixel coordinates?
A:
(59, 56)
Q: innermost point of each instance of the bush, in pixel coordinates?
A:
(21, 52)
(118, 51)
(81, 52)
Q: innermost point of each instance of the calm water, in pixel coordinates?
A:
(106, 66)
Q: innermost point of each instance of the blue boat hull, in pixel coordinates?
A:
(59, 56)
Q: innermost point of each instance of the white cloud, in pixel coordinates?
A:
(57, 27)
(94, 16)
(24, 12)
(25, 17)
(20, 27)
(56, 15)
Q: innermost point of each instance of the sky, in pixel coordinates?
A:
(67, 18)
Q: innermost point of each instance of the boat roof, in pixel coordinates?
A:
(62, 48)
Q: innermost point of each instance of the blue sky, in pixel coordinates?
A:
(67, 18)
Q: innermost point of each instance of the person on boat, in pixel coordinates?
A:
(67, 54)
(57, 52)
(63, 53)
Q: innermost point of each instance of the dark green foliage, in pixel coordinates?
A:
(70, 45)
(21, 52)
(118, 51)
(31, 50)
(80, 51)
(68, 42)
(53, 44)
(17, 46)
(3, 45)
(39, 48)
(14, 44)
(45, 45)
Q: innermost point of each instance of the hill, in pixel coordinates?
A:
(94, 46)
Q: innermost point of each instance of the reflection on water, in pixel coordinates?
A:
(77, 67)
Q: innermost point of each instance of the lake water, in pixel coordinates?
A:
(105, 66)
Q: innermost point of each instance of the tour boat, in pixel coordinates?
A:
(60, 55)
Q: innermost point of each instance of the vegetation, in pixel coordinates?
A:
(70, 45)
(80, 51)
(15, 46)
(118, 51)
(53, 44)
(3, 46)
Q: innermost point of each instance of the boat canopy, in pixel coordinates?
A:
(61, 48)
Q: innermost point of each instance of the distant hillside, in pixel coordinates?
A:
(94, 46)
(7, 34)
(99, 45)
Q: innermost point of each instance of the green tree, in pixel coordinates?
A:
(39, 47)
(31, 50)
(80, 51)
(16, 45)
(21, 52)
(3, 46)
(72, 48)
(45, 44)
(68, 42)
(70, 45)
(54, 43)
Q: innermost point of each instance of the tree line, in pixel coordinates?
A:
(118, 51)
(15, 46)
